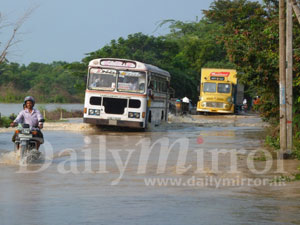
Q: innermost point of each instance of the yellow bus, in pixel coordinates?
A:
(219, 91)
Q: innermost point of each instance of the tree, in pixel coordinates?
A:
(15, 30)
(160, 51)
(250, 36)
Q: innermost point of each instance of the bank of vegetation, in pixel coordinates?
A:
(236, 34)
(59, 114)
(48, 83)
(5, 121)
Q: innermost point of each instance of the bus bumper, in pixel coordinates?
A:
(117, 123)
(214, 111)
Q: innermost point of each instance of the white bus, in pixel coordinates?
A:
(126, 93)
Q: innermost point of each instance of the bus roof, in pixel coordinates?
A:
(127, 64)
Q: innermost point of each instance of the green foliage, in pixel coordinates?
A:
(239, 34)
(5, 121)
(260, 156)
(282, 178)
(46, 82)
(296, 150)
(161, 51)
(250, 35)
(297, 177)
(272, 142)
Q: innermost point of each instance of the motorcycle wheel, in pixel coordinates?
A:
(16, 147)
(22, 151)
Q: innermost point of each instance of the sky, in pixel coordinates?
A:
(65, 30)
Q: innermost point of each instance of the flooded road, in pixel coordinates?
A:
(169, 175)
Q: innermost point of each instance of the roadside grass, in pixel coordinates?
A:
(272, 141)
(284, 178)
(296, 150)
(59, 114)
(260, 156)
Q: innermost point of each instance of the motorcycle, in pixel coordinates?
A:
(244, 108)
(26, 143)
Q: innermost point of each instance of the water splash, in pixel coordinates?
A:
(14, 158)
(10, 158)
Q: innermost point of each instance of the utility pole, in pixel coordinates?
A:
(295, 8)
(289, 76)
(282, 78)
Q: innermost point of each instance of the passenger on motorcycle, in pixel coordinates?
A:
(31, 116)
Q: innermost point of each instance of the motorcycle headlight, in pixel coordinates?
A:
(26, 131)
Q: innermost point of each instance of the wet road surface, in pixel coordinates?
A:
(100, 177)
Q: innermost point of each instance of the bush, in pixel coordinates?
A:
(273, 142)
(296, 150)
(5, 121)
(60, 113)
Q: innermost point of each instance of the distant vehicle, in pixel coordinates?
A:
(126, 93)
(220, 91)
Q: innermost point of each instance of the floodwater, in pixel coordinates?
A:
(7, 109)
(99, 177)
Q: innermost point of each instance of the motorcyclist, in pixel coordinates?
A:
(33, 117)
(245, 105)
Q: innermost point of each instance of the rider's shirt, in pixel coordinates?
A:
(32, 118)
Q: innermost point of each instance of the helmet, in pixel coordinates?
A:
(29, 98)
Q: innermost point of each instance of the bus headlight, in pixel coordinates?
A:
(94, 112)
(229, 99)
(200, 98)
(226, 106)
(203, 104)
(134, 115)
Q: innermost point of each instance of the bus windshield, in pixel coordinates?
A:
(223, 88)
(210, 87)
(132, 81)
(102, 79)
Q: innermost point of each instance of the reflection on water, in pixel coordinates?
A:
(52, 197)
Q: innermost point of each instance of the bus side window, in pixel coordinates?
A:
(154, 85)
(159, 86)
(165, 86)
